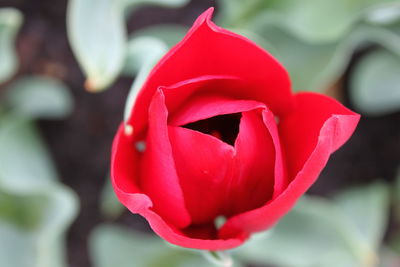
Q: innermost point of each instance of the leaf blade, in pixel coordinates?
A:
(97, 34)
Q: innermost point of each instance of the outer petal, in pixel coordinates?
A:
(159, 179)
(317, 127)
(124, 173)
(210, 50)
(300, 130)
(179, 238)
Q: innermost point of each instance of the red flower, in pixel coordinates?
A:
(184, 179)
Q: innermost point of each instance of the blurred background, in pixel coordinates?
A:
(66, 71)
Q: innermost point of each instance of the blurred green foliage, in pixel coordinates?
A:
(315, 39)
(345, 231)
(35, 208)
(39, 97)
(376, 84)
(112, 245)
(98, 36)
(314, 21)
(143, 54)
(10, 22)
(110, 207)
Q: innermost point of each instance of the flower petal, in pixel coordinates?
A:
(280, 177)
(177, 237)
(317, 127)
(196, 99)
(202, 106)
(210, 50)
(124, 175)
(203, 164)
(159, 179)
(253, 176)
(300, 130)
(210, 106)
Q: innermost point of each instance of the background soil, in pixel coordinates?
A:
(81, 143)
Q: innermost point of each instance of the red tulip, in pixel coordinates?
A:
(195, 167)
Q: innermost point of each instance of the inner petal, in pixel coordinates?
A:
(224, 155)
(222, 179)
(252, 183)
(203, 164)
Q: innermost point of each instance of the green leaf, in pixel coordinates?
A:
(10, 22)
(316, 66)
(23, 211)
(165, 3)
(385, 14)
(385, 36)
(50, 236)
(375, 83)
(144, 53)
(109, 203)
(170, 34)
(35, 210)
(40, 97)
(15, 246)
(35, 238)
(97, 33)
(24, 161)
(311, 67)
(313, 234)
(308, 20)
(132, 5)
(318, 232)
(238, 13)
(323, 20)
(293, 31)
(368, 209)
(115, 246)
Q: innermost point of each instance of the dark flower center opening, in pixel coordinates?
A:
(224, 127)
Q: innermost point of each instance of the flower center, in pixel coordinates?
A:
(223, 127)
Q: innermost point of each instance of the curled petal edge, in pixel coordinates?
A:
(331, 137)
(141, 204)
(146, 92)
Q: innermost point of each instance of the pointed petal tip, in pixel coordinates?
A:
(205, 16)
(208, 13)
